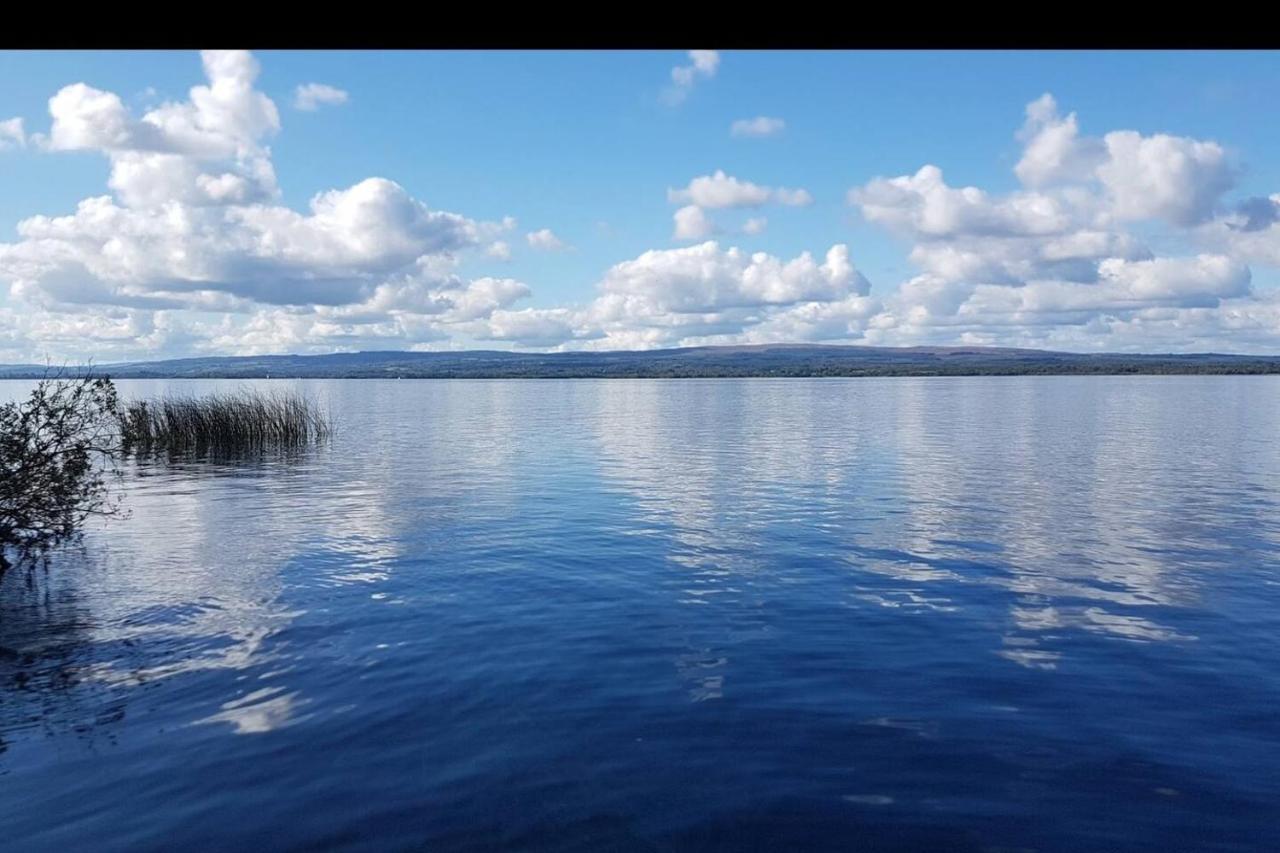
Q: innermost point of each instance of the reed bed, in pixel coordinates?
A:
(235, 422)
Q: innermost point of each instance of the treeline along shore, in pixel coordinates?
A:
(784, 360)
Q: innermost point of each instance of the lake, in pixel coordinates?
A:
(967, 614)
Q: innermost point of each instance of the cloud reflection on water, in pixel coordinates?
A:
(1072, 498)
(1048, 506)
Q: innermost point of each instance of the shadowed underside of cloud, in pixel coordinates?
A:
(193, 252)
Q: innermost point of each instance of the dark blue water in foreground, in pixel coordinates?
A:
(986, 614)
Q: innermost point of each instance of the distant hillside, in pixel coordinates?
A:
(764, 360)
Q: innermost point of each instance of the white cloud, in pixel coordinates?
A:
(704, 293)
(85, 117)
(664, 297)
(309, 97)
(923, 205)
(193, 229)
(1054, 152)
(192, 251)
(12, 134)
(1053, 265)
(545, 240)
(1166, 177)
(966, 234)
(702, 63)
(706, 278)
(532, 327)
(692, 224)
(1173, 178)
(719, 190)
(105, 253)
(217, 134)
(1122, 286)
(758, 126)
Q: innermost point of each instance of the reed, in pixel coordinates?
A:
(240, 421)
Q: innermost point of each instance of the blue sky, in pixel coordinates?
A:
(1163, 254)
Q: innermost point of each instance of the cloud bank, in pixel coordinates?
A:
(193, 252)
(190, 250)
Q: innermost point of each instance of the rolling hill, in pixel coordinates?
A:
(721, 361)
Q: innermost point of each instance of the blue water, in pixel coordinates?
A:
(978, 614)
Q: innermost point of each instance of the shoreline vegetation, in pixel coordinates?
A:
(61, 449)
(789, 360)
(235, 423)
(59, 455)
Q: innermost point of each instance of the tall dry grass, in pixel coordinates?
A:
(235, 422)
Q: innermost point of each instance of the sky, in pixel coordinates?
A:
(168, 204)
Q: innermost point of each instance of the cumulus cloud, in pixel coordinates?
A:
(309, 97)
(544, 239)
(720, 191)
(924, 205)
(1053, 264)
(692, 223)
(1067, 225)
(698, 293)
(1122, 286)
(1173, 178)
(758, 126)
(708, 293)
(1054, 152)
(965, 233)
(195, 152)
(190, 249)
(12, 134)
(706, 278)
(1166, 177)
(192, 227)
(333, 254)
(534, 327)
(702, 64)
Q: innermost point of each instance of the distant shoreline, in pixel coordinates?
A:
(1270, 371)
(728, 362)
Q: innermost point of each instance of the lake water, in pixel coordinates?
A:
(964, 614)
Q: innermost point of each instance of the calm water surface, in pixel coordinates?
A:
(985, 614)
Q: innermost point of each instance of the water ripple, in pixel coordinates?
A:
(1006, 613)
